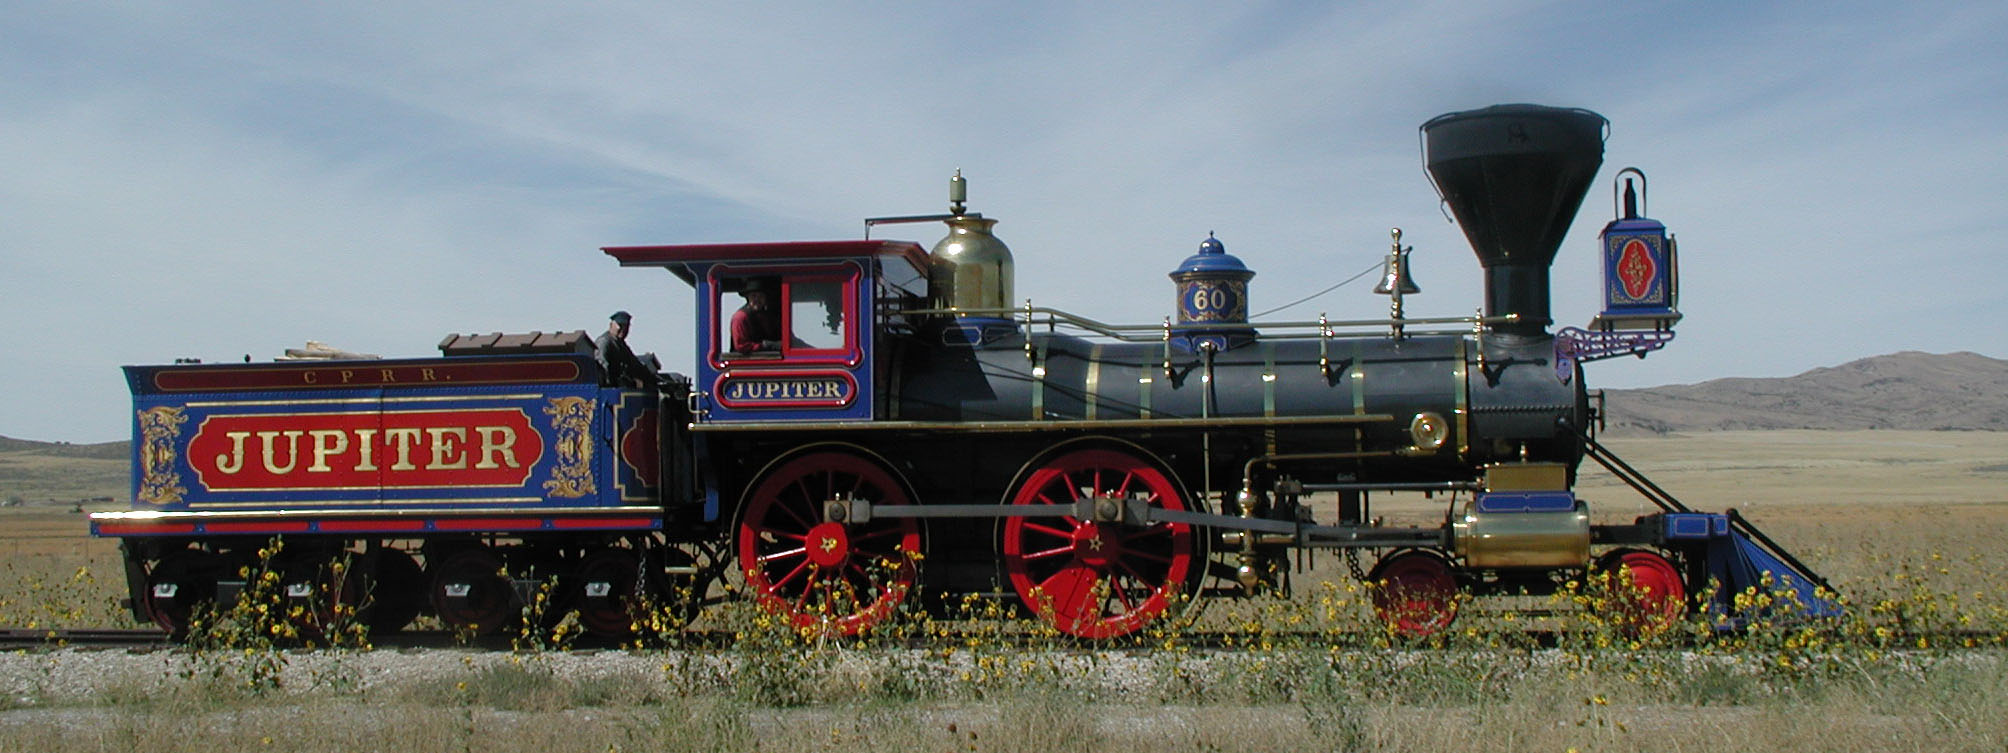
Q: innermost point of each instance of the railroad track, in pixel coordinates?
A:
(12, 639)
(20, 638)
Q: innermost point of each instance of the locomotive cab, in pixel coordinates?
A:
(792, 331)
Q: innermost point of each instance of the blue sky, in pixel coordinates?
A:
(220, 179)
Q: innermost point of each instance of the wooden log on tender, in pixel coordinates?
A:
(320, 351)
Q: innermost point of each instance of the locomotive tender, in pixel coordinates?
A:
(917, 435)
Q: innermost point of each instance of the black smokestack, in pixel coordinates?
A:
(1514, 175)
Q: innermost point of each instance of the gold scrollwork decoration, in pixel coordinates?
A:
(572, 419)
(160, 430)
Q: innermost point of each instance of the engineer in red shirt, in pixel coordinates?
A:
(756, 326)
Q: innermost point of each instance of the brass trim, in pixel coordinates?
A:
(572, 419)
(1359, 381)
(403, 512)
(1463, 388)
(1279, 330)
(1269, 395)
(1427, 431)
(1144, 385)
(623, 417)
(1522, 539)
(362, 487)
(306, 484)
(394, 500)
(1526, 477)
(362, 400)
(1093, 385)
(1039, 381)
(999, 427)
(160, 429)
(1269, 380)
(442, 399)
(235, 403)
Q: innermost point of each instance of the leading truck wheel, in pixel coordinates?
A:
(819, 570)
(1100, 577)
(1414, 593)
(1645, 590)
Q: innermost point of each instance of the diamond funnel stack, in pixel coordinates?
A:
(1514, 176)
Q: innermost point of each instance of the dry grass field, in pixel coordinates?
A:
(1860, 506)
(1910, 521)
(45, 542)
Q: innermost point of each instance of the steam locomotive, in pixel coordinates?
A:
(916, 435)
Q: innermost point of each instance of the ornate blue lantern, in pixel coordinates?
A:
(1641, 276)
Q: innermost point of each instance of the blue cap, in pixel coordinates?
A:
(1212, 259)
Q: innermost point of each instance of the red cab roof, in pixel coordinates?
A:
(678, 259)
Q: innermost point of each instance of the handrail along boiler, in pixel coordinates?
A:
(917, 435)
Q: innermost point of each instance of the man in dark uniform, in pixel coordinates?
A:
(621, 367)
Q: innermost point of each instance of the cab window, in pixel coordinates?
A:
(776, 316)
(816, 314)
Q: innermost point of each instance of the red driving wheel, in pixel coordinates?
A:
(1414, 593)
(1646, 590)
(1098, 579)
(822, 573)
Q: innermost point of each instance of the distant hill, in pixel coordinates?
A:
(1908, 390)
(60, 473)
(99, 451)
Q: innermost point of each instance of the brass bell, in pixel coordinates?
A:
(1395, 268)
(1388, 275)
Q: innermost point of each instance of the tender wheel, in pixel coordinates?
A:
(395, 592)
(1098, 578)
(1645, 590)
(1414, 593)
(823, 574)
(176, 586)
(470, 593)
(607, 590)
(325, 590)
(680, 595)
